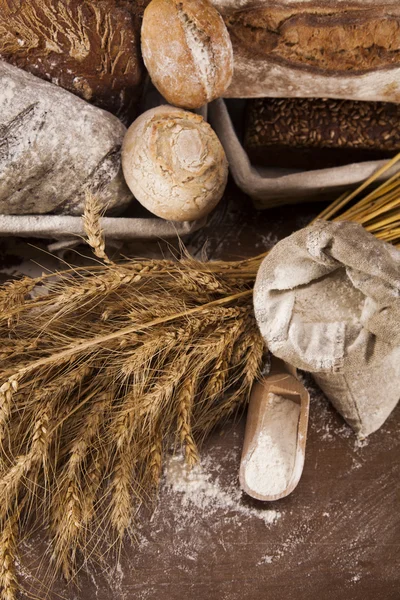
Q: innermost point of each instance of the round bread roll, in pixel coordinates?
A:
(174, 163)
(187, 51)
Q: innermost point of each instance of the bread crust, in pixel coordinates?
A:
(89, 47)
(316, 49)
(55, 147)
(316, 133)
(174, 163)
(321, 38)
(187, 51)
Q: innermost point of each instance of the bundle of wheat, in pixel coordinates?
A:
(378, 212)
(103, 367)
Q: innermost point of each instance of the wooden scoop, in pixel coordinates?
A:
(282, 465)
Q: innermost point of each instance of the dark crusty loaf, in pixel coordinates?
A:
(315, 48)
(89, 47)
(306, 133)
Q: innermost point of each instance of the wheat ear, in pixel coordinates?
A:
(186, 396)
(8, 552)
(91, 223)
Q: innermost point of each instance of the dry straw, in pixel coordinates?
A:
(104, 367)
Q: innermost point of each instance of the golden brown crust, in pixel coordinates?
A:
(163, 42)
(174, 163)
(187, 51)
(341, 39)
(211, 24)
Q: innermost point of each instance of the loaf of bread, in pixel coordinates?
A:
(89, 47)
(174, 163)
(55, 147)
(304, 133)
(187, 51)
(340, 49)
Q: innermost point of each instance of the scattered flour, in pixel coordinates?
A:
(270, 465)
(265, 560)
(267, 240)
(361, 443)
(197, 488)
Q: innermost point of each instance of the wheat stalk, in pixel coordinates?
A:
(6, 396)
(91, 223)
(185, 399)
(8, 551)
(155, 457)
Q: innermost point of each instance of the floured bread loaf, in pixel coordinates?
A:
(174, 163)
(338, 49)
(187, 51)
(55, 147)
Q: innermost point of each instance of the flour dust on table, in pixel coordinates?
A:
(199, 492)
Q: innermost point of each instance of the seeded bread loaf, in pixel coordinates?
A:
(89, 47)
(304, 133)
(315, 48)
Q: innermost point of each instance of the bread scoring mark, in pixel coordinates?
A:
(353, 40)
(19, 132)
(200, 47)
(97, 179)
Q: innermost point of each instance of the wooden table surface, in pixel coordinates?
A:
(337, 536)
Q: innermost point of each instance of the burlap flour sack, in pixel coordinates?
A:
(327, 300)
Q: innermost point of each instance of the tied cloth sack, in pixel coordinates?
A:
(327, 300)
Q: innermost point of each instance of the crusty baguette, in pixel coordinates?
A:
(337, 49)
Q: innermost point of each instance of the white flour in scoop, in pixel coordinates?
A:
(270, 465)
